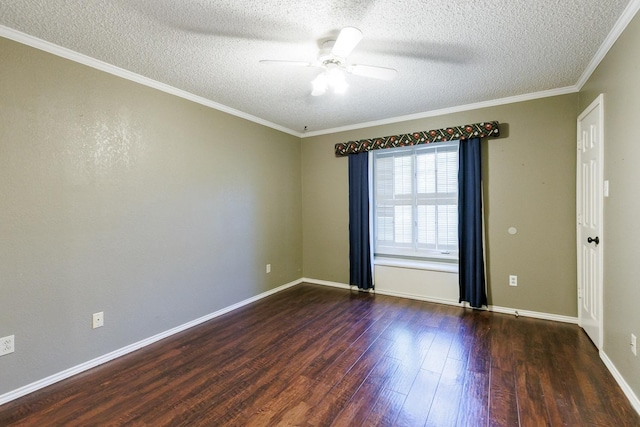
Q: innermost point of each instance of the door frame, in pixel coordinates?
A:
(597, 103)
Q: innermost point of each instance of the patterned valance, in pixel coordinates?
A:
(477, 130)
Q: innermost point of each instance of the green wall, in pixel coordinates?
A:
(120, 198)
(618, 78)
(529, 183)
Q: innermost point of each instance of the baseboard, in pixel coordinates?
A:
(635, 402)
(37, 385)
(326, 283)
(493, 308)
(534, 314)
(419, 297)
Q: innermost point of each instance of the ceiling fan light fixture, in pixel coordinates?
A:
(332, 78)
(337, 81)
(319, 85)
(333, 61)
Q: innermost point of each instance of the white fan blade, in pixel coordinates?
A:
(380, 73)
(348, 38)
(285, 62)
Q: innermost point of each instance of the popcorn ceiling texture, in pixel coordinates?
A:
(447, 52)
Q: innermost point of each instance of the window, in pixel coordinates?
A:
(415, 202)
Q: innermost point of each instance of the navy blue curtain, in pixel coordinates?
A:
(359, 243)
(470, 231)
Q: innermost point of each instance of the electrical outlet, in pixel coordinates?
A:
(97, 320)
(268, 268)
(634, 347)
(513, 280)
(7, 345)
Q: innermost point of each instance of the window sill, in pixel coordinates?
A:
(417, 265)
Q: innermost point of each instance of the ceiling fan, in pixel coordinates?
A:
(333, 59)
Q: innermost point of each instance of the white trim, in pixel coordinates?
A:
(445, 267)
(615, 33)
(493, 308)
(125, 74)
(596, 104)
(451, 110)
(37, 385)
(63, 52)
(326, 283)
(626, 388)
(622, 23)
(534, 314)
(420, 298)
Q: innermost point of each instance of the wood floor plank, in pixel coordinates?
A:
(556, 385)
(334, 402)
(359, 406)
(532, 408)
(479, 344)
(449, 394)
(316, 356)
(385, 409)
(404, 378)
(438, 352)
(503, 403)
(474, 408)
(417, 405)
(315, 344)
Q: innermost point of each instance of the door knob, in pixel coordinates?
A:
(596, 240)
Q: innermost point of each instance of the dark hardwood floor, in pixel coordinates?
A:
(319, 356)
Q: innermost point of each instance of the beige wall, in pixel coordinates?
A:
(120, 198)
(618, 78)
(529, 178)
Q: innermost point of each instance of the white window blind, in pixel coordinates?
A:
(415, 201)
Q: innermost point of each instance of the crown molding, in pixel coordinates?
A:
(622, 23)
(63, 52)
(624, 20)
(451, 110)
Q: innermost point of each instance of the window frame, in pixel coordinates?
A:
(414, 254)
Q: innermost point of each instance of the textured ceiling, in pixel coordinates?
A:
(448, 53)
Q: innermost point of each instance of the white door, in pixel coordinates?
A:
(589, 220)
